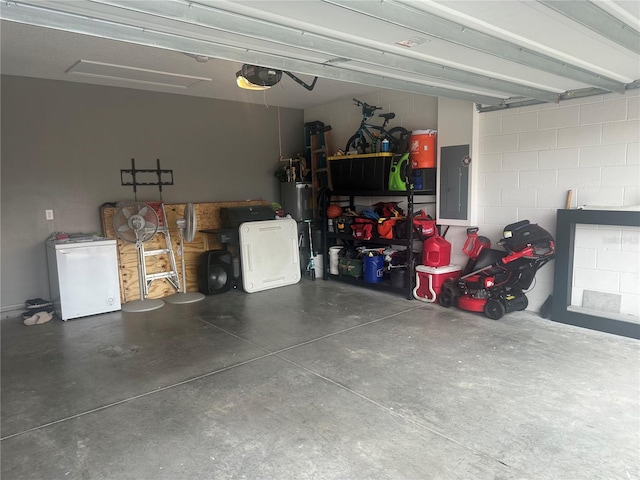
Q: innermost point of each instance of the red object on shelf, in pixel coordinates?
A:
(362, 231)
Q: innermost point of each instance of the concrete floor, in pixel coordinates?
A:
(317, 380)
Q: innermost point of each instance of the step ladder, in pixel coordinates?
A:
(321, 148)
(170, 275)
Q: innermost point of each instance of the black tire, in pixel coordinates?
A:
(494, 309)
(357, 143)
(525, 303)
(446, 299)
(400, 139)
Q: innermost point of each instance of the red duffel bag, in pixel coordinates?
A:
(424, 225)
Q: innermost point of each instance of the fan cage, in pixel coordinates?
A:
(122, 222)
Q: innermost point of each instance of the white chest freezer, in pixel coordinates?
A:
(83, 276)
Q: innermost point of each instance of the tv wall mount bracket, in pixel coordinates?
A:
(133, 176)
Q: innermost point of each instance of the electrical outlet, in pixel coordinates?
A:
(48, 214)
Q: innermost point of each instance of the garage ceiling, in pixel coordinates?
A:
(494, 53)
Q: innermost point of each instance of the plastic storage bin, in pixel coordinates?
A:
(367, 172)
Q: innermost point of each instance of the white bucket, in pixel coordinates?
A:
(334, 253)
(317, 263)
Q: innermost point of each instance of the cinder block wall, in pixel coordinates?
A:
(531, 157)
(606, 275)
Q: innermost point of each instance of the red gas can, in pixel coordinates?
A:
(436, 252)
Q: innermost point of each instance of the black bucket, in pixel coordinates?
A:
(398, 277)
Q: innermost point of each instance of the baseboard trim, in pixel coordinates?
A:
(11, 311)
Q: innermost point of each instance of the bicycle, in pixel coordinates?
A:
(397, 136)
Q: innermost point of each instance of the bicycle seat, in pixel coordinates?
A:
(387, 116)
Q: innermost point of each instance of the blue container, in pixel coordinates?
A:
(417, 180)
(373, 268)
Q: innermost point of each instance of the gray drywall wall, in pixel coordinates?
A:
(64, 144)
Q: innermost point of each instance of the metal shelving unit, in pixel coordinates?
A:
(330, 238)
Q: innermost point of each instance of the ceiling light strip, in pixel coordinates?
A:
(133, 74)
(121, 32)
(593, 17)
(434, 26)
(217, 19)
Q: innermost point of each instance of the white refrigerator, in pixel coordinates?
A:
(83, 276)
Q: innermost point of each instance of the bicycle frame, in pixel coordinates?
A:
(373, 137)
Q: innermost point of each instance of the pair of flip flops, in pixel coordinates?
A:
(38, 311)
(38, 318)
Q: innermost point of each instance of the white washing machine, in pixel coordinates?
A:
(83, 276)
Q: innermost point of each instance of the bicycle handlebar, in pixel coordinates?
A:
(366, 106)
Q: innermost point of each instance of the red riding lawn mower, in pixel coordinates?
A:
(494, 280)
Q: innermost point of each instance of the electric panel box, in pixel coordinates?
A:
(454, 182)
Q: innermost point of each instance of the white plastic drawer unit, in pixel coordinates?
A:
(83, 276)
(269, 254)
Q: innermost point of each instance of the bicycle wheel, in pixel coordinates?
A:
(399, 139)
(357, 143)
